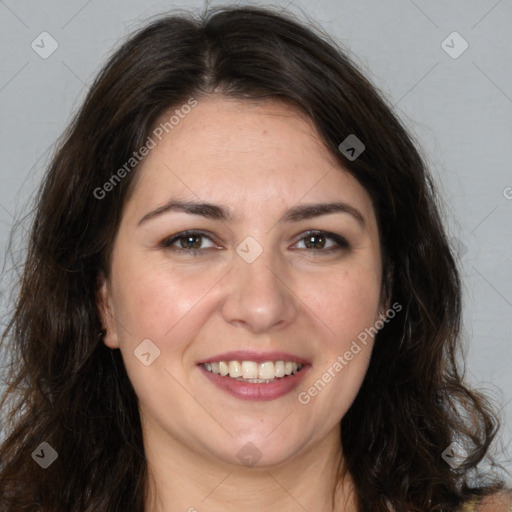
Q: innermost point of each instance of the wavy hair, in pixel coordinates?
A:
(66, 388)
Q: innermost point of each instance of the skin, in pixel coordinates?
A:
(258, 160)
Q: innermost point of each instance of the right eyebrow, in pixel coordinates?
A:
(210, 211)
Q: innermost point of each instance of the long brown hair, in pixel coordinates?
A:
(66, 388)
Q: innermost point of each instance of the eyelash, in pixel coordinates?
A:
(341, 243)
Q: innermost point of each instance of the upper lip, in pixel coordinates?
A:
(251, 355)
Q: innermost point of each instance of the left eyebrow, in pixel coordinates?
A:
(308, 211)
(218, 212)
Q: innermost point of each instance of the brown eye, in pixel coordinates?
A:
(316, 241)
(189, 241)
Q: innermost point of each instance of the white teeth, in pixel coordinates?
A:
(258, 381)
(267, 370)
(235, 369)
(279, 368)
(223, 368)
(251, 371)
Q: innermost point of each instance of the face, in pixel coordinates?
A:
(256, 275)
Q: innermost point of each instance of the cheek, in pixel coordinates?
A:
(346, 311)
(347, 308)
(153, 300)
(154, 304)
(345, 304)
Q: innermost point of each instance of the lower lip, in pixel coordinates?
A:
(257, 391)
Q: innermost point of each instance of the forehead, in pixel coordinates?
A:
(245, 152)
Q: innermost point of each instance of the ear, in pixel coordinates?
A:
(106, 311)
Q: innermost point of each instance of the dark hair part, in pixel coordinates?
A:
(73, 392)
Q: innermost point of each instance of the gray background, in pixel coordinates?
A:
(459, 110)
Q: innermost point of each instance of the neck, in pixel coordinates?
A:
(182, 479)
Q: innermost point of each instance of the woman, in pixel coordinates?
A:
(238, 292)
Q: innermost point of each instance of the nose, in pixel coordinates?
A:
(259, 295)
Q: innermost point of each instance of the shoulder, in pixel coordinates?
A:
(499, 502)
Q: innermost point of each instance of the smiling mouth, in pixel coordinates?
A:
(253, 372)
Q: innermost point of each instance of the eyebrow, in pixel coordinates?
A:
(217, 212)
